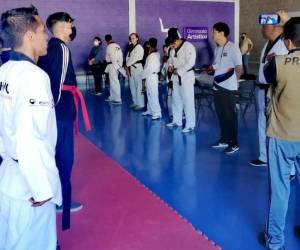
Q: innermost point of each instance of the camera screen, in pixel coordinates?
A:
(271, 19)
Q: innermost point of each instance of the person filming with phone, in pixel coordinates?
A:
(283, 123)
(273, 46)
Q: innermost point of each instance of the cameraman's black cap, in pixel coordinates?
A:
(58, 17)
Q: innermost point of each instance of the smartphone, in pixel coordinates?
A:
(269, 19)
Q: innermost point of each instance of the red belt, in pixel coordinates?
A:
(77, 95)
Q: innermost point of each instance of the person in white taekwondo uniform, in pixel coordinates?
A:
(181, 62)
(114, 60)
(29, 181)
(134, 70)
(150, 76)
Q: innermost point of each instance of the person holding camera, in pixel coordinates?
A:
(283, 130)
(274, 46)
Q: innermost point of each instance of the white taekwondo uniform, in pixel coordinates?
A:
(114, 58)
(150, 74)
(183, 95)
(278, 49)
(134, 63)
(27, 145)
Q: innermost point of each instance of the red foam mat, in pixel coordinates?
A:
(119, 212)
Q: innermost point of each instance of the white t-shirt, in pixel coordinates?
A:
(227, 58)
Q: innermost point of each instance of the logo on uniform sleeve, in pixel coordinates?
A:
(4, 87)
(225, 54)
(32, 101)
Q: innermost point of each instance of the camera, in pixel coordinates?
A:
(269, 19)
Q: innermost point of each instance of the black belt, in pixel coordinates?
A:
(137, 62)
(108, 63)
(179, 77)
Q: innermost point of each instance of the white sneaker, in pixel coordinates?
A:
(146, 113)
(156, 117)
(187, 130)
(173, 125)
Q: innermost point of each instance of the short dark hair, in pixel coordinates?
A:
(108, 37)
(58, 17)
(244, 33)
(222, 27)
(16, 22)
(173, 35)
(153, 42)
(97, 38)
(291, 30)
(135, 34)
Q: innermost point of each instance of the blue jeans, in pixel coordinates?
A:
(245, 59)
(282, 156)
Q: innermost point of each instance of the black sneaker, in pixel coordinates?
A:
(220, 144)
(58, 246)
(258, 163)
(297, 231)
(231, 149)
(262, 240)
(75, 206)
(116, 103)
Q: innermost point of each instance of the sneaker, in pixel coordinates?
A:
(57, 246)
(138, 108)
(292, 177)
(156, 117)
(297, 231)
(59, 209)
(97, 93)
(116, 103)
(231, 149)
(108, 100)
(75, 206)
(187, 130)
(258, 163)
(220, 144)
(262, 240)
(146, 113)
(132, 106)
(173, 125)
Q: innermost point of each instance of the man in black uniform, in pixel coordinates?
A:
(58, 64)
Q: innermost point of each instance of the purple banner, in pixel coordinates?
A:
(156, 16)
(195, 34)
